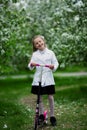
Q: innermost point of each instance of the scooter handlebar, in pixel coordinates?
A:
(42, 65)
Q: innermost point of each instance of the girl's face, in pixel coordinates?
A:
(39, 43)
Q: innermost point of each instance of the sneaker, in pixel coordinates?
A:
(41, 119)
(53, 121)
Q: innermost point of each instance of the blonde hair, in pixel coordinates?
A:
(42, 37)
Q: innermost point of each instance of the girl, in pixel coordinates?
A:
(42, 55)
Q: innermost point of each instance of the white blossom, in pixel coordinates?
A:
(79, 4)
(5, 126)
(76, 18)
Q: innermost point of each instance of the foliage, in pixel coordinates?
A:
(63, 23)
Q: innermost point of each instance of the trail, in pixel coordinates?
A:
(72, 74)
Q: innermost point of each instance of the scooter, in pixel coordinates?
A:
(36, 123)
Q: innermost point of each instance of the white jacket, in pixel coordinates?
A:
(46, 57)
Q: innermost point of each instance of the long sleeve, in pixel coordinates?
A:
(32, 60)
(54, 61)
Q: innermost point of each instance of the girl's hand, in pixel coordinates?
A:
(33, 64)
(51, 67)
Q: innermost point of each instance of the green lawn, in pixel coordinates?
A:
(73, 68)
(17, 104)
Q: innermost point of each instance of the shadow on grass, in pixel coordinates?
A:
(72, 93)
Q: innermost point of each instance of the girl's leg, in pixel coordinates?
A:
(41, 109)
(51, 104)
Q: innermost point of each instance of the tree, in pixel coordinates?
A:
(63, 23)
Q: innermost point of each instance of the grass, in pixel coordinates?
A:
(63, 81)
(17, 105)
(73, 68)
(72, 110)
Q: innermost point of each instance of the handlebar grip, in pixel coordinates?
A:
(47, 66)
(38, 65)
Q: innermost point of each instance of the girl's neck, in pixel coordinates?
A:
(43, 49)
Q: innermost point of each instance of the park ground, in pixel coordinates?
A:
(17, 104)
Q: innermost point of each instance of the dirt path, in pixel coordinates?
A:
(74, 74)
(29, 101)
